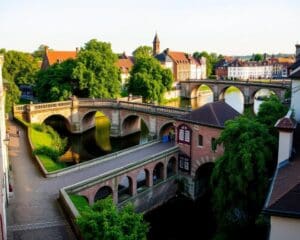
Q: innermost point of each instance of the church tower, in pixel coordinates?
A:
(156, 44)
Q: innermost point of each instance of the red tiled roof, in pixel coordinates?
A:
(124, 64)
(286, 123)
(59, 56)
(178, 57)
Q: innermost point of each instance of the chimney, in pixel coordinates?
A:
(46, 49)
(77, 50)
(297, 52)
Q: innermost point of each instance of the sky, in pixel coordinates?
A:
(227, 27)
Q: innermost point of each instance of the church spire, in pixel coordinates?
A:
(156, 45)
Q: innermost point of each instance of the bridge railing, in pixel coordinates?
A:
(153, 108)
(20, 108)
(97, 102)
(52, 105)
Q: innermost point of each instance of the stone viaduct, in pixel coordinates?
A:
(125, 117)
(189, 89)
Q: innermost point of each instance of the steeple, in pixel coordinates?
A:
(156, 45)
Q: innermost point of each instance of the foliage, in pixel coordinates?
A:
(12, 95)
(142, 51)
(96, 70)
(47, 151)
(257, 57)
(240, 177)
(19, 67)
(211, 60)
(39, 53)
(56, 82)
(102, 133)
(270, 111)
(80, 202)
(149, 79)
(103, 221)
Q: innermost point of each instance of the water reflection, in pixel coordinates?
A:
(96, 142)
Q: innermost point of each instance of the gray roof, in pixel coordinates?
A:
(211, 114)
(163, 57)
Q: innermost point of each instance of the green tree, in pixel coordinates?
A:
(39, 53)
(96, 70)
(257, 57)
(12, 95)
(211, 60)
(56, 82)
(149, 79)
(270, 111)
(240, 176)
(19, 67)
(103, 221)
(142, 51)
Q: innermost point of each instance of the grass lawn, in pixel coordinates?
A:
(80, 202)
(40, 139)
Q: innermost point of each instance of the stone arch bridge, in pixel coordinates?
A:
(125, 117)
(189, 89)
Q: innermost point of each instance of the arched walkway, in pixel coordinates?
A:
(142, 180)
(102, 193)
(168, 129)
(171, 167)
(158, 173)
(202, 179)
(124, 189)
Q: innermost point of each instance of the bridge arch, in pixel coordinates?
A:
(171, 167)
(103, 192)
(236, 92)
(87, 120)
(202, 179)
(142, 180)
(132, 123)
(166, 128)
(125, 188)
(200, 89)
(158, 173)
(58, 121)
(258, 96)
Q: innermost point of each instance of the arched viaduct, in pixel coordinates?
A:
(189, 89)
(125, 117)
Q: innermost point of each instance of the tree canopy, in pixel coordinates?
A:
(149, 79)
(96, 70)
(142, 51)
(257, 57)
(103, 221)
(240, 177)
(56, 82)
(39, 53)
(19, 67)
(211, 60)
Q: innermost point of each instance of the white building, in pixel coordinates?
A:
(250, 70)
(3, 159)
(197, 68)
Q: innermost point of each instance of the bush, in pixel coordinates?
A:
(50, 152)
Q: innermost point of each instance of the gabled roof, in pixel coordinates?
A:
(60, 56)
(178, 57)
(211, 114)
(163, 57)
(125, 64)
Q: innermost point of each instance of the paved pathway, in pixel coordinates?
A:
(33, 212)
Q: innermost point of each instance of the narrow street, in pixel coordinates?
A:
(34, 212)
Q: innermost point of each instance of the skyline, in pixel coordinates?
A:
(225, 27)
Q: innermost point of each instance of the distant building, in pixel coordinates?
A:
(271, 68)
(4, 138)
(125, 63)
(182, 65)
(51, 57)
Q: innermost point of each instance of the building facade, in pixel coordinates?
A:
(3, 158)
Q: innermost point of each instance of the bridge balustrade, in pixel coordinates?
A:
(51, 105)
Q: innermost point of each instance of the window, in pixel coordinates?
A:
(184, 134)
(184, 163)
(213, 144)
(200, 140)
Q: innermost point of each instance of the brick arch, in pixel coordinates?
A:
(103, 192)
(87, 119)
(137, 124)
(66, 119)
(171, 166)
(85, 113)
(202, 179)
(163, 126)
(195, 89)
(158, 172)
(123, 190)
(196, 164)
(142, 183)
(222, 90)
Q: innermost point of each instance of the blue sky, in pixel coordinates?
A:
(227, 27)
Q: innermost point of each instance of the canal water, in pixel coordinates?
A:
(95, 142)
(233, 96)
